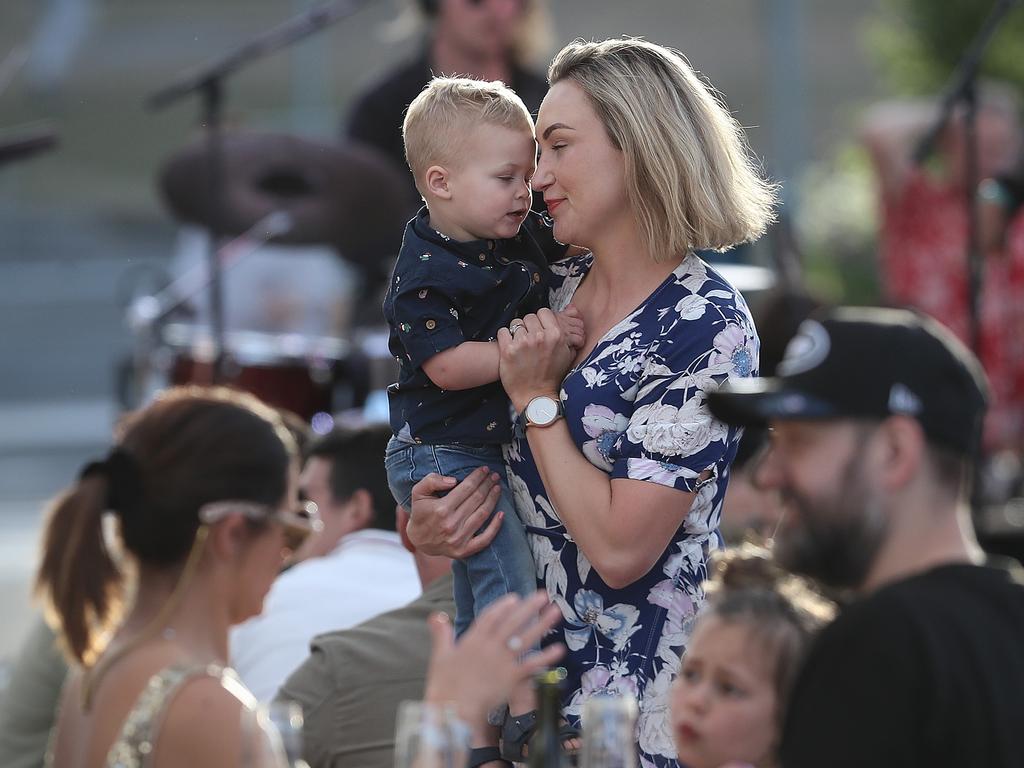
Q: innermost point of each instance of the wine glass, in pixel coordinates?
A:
(261, 743)
(609, 731)
(286, 716)
(430, 735)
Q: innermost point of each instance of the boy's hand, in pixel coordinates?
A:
(571, 322)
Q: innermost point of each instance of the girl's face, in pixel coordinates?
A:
(723, 701)
(580, 172)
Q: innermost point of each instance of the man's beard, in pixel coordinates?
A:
(834, 540)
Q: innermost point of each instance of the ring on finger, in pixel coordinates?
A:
(514, 643)
(515, 327)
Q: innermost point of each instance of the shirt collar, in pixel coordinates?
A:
(479, 252)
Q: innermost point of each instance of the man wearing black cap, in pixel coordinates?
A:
(875, 417)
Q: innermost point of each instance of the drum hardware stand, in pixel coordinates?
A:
(146, 314)
(962, 88)
(209, 83)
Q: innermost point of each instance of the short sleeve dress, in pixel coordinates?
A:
(636, 408)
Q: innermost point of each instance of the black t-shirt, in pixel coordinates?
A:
(928, 672)
(377, 114)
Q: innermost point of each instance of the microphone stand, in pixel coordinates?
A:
(208, 82)
(962, 88)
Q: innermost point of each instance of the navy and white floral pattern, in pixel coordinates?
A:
(636, 408)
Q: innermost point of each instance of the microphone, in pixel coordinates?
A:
(22, 147)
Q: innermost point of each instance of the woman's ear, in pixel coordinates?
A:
(437, 180)
(228, 536)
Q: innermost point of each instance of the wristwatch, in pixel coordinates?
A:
(541, 411)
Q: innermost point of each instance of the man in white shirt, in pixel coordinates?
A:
(355, 569)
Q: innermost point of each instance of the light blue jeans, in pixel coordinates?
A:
(506, 565)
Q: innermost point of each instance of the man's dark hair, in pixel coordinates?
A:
(357, 461)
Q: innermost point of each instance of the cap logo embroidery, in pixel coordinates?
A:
(793, 403)
(903, 401)
(807, 350)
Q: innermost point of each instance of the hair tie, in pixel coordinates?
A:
(124, 483)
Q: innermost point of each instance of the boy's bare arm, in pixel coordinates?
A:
(470, 364)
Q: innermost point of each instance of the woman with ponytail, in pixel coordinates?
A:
(201, 486)
(201, 489)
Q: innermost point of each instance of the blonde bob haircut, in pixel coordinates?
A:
(438, 119)
(690, 176)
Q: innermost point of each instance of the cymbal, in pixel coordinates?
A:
(344, 195)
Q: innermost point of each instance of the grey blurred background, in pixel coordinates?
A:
(82, 228)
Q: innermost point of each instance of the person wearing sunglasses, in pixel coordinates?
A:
(354, 569)
(201, 490)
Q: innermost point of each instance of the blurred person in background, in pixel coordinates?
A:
(363, 570)
(203, 487)
(479, 39)
(876, 415)
(28, 704)
(924, 237)
(353, 680)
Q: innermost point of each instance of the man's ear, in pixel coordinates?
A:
(903, 447)
(438, 182)
(359, 510)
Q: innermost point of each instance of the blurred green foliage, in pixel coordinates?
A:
(919, 42)
(838, 225)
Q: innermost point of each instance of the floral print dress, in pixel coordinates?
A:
(636, 408)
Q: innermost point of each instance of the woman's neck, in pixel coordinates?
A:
(198, 624)
(624, 267)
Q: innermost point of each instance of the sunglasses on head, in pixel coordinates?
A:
(299, 522)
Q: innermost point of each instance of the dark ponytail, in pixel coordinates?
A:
(190, 447)
(82, 584)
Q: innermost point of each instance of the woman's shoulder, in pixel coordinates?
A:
(698, 286)
(203, 718)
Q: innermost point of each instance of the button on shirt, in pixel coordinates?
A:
(444, 292)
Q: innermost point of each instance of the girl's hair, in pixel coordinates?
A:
(782, 610)
(190, 447)
(690, 177)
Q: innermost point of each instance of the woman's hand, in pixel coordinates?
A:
(535, 359)
(489, 660)
(449, 526)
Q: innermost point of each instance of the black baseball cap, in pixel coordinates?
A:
(868, 363)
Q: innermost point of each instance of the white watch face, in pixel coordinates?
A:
(542, 410)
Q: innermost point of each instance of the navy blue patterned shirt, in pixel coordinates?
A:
(444, 292)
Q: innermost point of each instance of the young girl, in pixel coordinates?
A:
(731, 693)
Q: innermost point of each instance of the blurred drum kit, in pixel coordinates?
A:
(309, 233)
(284, 250)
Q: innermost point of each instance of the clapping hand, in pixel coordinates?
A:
(493, 656)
